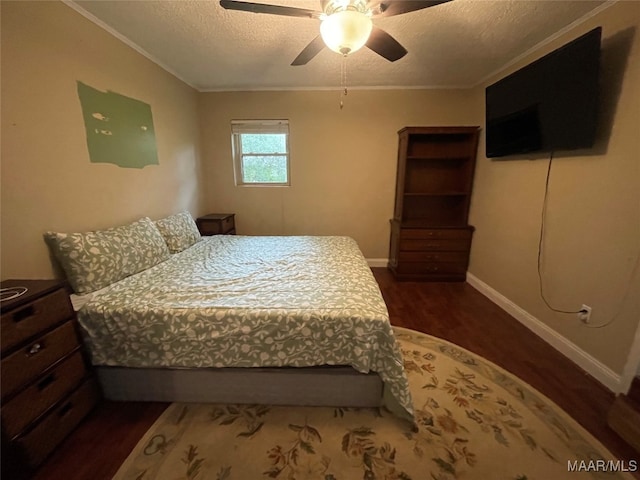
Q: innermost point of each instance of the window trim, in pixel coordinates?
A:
(239, 127)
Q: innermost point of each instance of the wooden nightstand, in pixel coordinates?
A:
(217, 224)
(47, 387)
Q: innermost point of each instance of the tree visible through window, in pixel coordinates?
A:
(261, 152)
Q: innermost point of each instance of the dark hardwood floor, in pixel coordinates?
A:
(460, 314)
(453, 311)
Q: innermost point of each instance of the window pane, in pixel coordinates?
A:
(264, 142)
(264, 169)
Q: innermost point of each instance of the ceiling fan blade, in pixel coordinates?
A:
(390, 8)
(385, 45)
(270, 9)
(310, 51)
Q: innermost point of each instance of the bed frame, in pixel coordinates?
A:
(312, 386)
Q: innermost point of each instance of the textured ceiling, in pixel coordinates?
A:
(456, 44)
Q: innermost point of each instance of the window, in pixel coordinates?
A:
(261, 152)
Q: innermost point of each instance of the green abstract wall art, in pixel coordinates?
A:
(119, 129)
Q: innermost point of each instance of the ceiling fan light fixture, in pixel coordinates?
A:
(346, 31)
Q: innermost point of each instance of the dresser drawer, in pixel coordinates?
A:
(48, 433)
(435, 245)
(22, 366)
(434, 256)
(432, 268)
(436, 233)
(216, 224)
(44, 392)
(228, 224)
(210, 227)
(33, 318)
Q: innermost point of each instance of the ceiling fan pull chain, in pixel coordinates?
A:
(343, 80)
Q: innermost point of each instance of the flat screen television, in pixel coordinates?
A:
(549, 105)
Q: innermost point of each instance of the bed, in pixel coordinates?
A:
(280, 320)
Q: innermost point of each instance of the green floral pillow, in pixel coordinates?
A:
(179, 231)
(93, 260)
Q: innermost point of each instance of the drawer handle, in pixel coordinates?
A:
(46, 381)
(433, 269)
(433, 245)
(65, 409)
(34, 349)
(24, 314)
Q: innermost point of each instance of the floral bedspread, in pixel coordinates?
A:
(240, 301)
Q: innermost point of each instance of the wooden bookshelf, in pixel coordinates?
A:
(433, 192)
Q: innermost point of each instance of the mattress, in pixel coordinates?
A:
(241, 301)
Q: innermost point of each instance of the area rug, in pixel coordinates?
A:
(474, 421)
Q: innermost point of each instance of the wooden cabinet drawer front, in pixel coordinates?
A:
(42, 439)
(434, 233)
(19, 368)
(435, 245)
(448, 257)
(39, 396)
(222, 226)
(210, 227)
(33, 318)
(432, 268)
(228, 225)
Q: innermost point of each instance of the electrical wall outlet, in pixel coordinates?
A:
(584, 314)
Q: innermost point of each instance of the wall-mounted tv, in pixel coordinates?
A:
(549, 105)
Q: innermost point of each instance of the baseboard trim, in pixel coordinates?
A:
(377, 262)
(591, 365)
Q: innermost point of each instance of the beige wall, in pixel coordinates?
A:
(48, 182)
(343, 162)
(592, 238)
(343, 167)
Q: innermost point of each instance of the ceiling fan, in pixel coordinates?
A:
(346, 25)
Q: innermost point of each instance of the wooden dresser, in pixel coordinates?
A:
(47, 387)
(430, 236)
(217, 224)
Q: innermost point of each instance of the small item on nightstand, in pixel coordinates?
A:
(217, 224)
(11, 293)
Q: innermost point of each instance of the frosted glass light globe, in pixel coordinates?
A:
(346, 31)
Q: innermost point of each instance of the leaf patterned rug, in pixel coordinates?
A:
(475, 421)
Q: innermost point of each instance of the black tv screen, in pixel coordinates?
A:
(549, 105)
